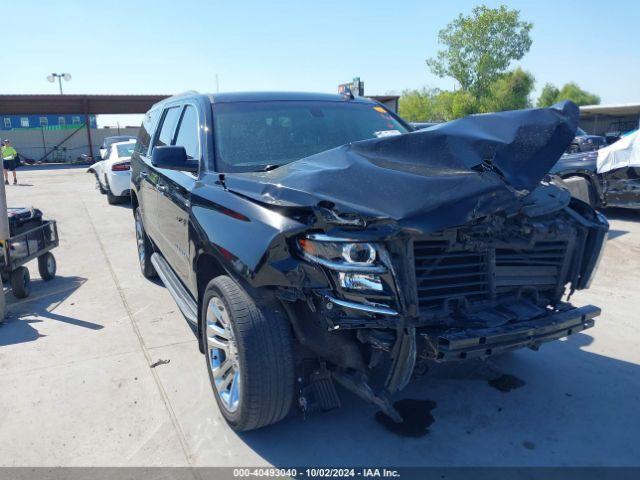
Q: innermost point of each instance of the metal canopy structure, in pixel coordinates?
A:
(82, 104)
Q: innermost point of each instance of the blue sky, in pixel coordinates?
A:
(172, 46)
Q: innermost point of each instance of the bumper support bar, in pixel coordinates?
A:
(462, 344)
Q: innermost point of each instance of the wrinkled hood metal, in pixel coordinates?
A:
(443, 176)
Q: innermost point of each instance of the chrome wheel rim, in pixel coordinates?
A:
(223, 354)
(140, 240)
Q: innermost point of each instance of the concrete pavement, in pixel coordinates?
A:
(77, 389)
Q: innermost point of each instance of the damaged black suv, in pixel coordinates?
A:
(315, 239)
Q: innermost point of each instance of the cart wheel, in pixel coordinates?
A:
(20, 282)
(47, 266)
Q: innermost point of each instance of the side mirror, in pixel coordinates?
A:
(173, 157)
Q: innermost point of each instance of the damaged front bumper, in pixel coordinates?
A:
(461, 344)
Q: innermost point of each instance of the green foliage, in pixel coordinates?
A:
(570, 91)
(452, 105)
(510, 91)
(417, 105)
(481, 46)
(548, 96)
(435, 105)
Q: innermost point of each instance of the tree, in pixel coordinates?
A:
(570, 91)
(451, 105)
(548, 96)
(481, 46)
(417, 105)
(510, 91)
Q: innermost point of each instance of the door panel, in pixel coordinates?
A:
(174, 193)
(174, 206)
(164, 136)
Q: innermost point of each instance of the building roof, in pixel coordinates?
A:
(619, 109)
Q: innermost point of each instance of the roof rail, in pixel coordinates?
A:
(177, 95)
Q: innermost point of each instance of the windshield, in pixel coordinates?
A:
(252, 136)
(125, 150)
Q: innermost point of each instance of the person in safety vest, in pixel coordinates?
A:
(9, 161)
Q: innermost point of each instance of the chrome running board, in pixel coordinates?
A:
(183, 299)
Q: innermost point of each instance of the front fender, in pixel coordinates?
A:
(246, 238)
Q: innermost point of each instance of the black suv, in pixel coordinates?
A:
(314, 239)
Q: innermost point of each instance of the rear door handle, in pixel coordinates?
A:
(161, 188)
(144, 174)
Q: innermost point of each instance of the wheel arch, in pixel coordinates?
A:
(134, 201)
(207, 268)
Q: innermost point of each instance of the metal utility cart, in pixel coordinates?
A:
(24, 247)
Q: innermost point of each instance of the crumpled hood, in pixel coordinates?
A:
(462, 169)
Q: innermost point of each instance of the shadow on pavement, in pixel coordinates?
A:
(616, 233)
(575, 408)
(38, 307)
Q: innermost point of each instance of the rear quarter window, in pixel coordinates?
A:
(146, 131)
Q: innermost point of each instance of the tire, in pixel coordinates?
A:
(111, 198)
(255, 336)
(20, 282)
(100, 187)
(145, 248)
(47, 266)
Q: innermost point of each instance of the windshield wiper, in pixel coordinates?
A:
(266, 168)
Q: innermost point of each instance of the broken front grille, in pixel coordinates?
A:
(445, 275)
(537, 265)
(449, 276)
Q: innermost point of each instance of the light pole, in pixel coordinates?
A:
(52, 78)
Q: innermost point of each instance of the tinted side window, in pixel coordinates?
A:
(168, 127)
(188, 132)
(146, 131)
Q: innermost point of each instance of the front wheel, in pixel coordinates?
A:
(20, 282)
(249, 355)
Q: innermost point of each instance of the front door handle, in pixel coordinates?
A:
(144, 174)
(161, 188)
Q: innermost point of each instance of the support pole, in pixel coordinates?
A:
(4, 236)
(88, 125)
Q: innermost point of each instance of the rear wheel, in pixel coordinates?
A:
(111, 198)
(248, 350)
(145, 249)
(20, 282)
(47, 266)
(100, 187)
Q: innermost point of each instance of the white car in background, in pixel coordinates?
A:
(114, 172)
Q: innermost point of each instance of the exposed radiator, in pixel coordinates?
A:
(445, 274)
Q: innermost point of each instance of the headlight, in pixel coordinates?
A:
(341, 255)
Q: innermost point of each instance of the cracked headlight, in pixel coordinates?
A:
(341, 255)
